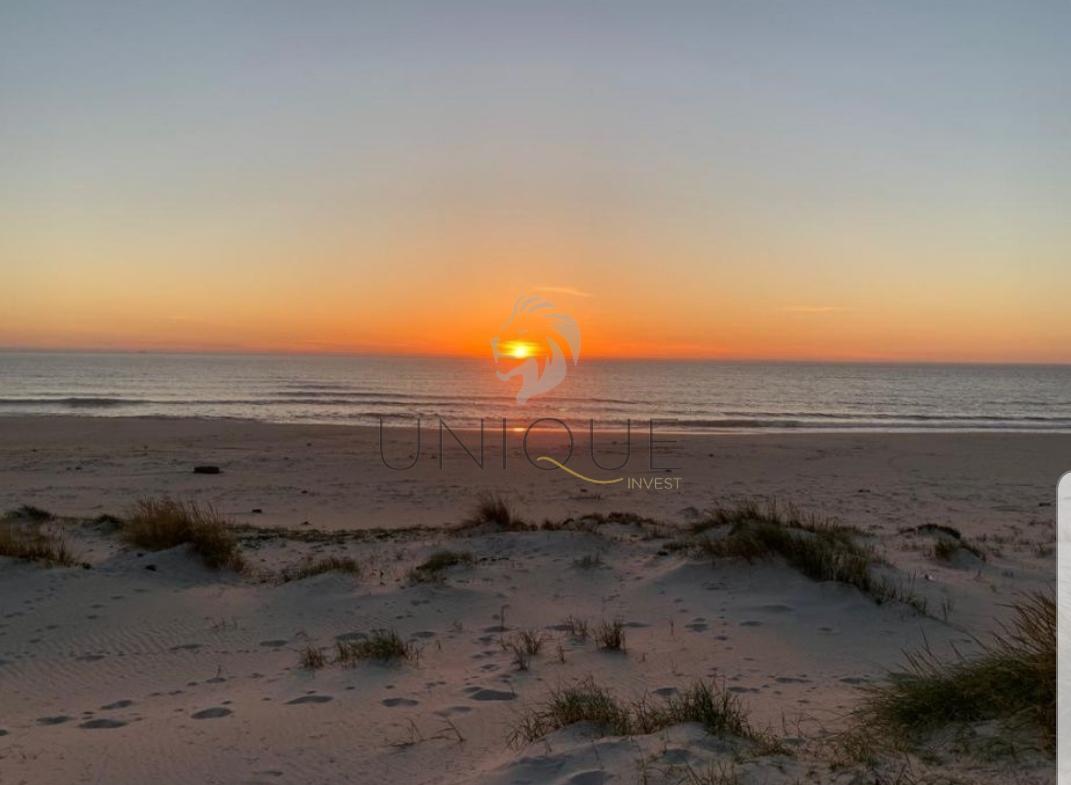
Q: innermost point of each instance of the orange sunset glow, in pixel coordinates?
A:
(398, 199)
(894, 321)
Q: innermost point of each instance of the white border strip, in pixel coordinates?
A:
(1063, 634)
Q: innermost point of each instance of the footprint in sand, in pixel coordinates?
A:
(310, 699)
(485, 694)
(57, 720)
(593, 777)
(213, 713)
(102, 724)
(186, 647)
(392, 702)
(121, 704)
(274, 644)
(452, 710)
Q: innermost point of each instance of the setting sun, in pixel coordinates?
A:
(519, 350)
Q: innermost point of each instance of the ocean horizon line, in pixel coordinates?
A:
(16, 350)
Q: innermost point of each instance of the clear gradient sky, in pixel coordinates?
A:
(810, 180)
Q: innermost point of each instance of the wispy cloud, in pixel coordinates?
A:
(564, 290)
(815, 308)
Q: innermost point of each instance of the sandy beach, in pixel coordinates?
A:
(138, 665)
(334, 477)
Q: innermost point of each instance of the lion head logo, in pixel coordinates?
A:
(533, 344)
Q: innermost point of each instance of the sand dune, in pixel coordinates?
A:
(149, 667)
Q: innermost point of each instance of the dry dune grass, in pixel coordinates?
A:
(160, 523)
(30, 513)
(576, 627)
(312, 567)
(380, 646)
(610, 635)
(1012, 681)
(492, 510)
(719, 712)
(313, 658)
(523, 645)
(34, 544)
(432, 568)
(945, 549)
(821, 550)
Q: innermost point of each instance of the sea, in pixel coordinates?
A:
(691, 396)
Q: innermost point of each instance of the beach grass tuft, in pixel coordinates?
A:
(821, 550)
(313, 658)
(493, 509)
(1012, 681)
(584, 701)
(28, 512)
(757, 511)
(610, 635)
(576, 627)
(34, 544)
(592, 521)
(945, 549)
(819, 553)
(432, 568)
(158, 523)
(718, 711)
(380, 646)
(523, 645)
(312, 567)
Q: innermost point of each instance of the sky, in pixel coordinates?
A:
(821, 180)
